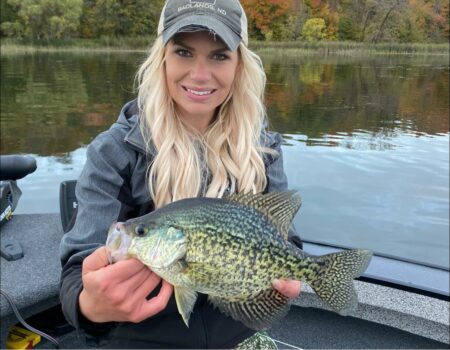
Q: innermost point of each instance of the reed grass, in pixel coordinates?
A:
(287, 48)
(10, 46)
(349, 48)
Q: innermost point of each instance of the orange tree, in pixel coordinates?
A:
(268, 19)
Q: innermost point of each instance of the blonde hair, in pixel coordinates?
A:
(229, 155)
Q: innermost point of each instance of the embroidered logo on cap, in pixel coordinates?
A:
(202, 4)
(212, 2)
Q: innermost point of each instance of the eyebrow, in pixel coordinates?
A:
(180, 43)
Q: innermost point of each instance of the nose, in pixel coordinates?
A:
(200, 71)
(119, 226)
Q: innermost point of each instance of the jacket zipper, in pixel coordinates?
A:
(135, 146)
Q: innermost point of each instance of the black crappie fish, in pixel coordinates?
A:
(231, 249)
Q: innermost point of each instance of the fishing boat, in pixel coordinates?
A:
(402, 304)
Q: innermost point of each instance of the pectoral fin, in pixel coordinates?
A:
(185, 302)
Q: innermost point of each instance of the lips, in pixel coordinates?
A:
(199, 92)
(117, 243)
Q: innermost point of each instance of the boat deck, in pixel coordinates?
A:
(386, 317)
(312, 328)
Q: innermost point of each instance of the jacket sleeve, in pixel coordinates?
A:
(98, 188)
(276, 177)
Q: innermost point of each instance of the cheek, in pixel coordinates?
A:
(229, 76)
(168, 76)
(228, 81)
(172, 73)
(171, 85)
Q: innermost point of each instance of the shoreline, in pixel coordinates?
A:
(290, 48)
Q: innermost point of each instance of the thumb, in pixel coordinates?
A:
(289, 288)
(95, 261)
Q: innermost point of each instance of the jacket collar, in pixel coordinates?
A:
(129, 115)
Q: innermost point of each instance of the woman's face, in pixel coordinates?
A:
(199, 72)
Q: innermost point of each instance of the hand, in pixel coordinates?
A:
(289, 288)
(118, 292)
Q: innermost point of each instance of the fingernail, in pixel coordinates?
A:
(276, 283)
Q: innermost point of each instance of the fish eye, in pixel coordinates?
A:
(139, 230)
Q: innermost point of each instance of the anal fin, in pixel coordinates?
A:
(185, 299)
(258, 312)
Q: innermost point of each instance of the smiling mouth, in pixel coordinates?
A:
(199, 92)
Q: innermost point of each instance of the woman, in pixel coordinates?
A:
(196, 129)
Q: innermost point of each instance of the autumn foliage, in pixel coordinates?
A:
(267, 18)
(270, 20)
(362, 20)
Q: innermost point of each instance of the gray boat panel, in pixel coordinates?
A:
(398, 272)
(408, 311)
(312, 328)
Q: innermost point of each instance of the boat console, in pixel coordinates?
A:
(12, 168)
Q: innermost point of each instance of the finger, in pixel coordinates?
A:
(124, 269)
(134, 299)
(289, 288)
(131, 293)
(95, 261)
(135, 282)
(155, 304)
(147, 286)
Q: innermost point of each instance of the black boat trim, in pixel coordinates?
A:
(400, 274)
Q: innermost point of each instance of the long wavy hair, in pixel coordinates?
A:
(228, 156)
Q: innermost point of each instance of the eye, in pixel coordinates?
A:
(140, 230)
(220, 57)
(183, 53)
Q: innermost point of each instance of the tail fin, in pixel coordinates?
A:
(333, 280)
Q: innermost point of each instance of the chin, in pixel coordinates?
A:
(193, 109)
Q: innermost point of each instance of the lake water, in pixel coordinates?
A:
(367, 140)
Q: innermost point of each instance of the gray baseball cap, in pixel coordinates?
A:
(226, 18)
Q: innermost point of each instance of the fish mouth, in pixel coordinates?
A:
(117, 243)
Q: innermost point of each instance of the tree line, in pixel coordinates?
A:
(399, 21)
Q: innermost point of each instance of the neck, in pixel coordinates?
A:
(199, 123)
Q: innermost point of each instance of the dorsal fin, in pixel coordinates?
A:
(279, 207)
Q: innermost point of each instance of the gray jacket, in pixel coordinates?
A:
(113, 187)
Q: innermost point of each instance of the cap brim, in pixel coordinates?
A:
(230, 39)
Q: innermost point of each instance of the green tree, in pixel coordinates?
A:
(9, 21)
(328, 11)
(361, 14)
(314, 29)
(120, 17)
(347, 29)
(7, 12)
(44, 19)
